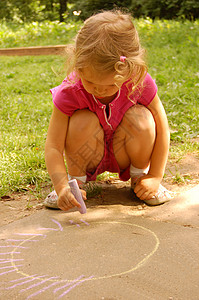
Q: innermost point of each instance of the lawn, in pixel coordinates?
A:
(25, 107)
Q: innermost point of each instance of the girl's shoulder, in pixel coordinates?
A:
(148, 80)
(70, 95)
(144, 93)
(148, 90)
(69, 85)
(71, 81)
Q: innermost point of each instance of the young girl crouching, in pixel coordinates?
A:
(107, 115)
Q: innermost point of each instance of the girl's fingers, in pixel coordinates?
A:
(142, 195)
(149, 196)
(74, 202)
(83, 194)
(67, 202)
(64, 205)
(139, 190)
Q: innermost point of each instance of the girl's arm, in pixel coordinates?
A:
(54, 149)
(161, 147)
(149, 184)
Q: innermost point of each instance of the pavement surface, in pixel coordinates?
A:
(105, 254)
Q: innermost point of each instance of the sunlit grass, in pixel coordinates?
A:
(36, 34)
(172, 51)
(25, 112)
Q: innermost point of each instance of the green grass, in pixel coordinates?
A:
(92, 189)
(173, 55)
(26, 104)
(37, 34)
(25, 111)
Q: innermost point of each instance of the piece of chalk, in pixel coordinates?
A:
(77, 194)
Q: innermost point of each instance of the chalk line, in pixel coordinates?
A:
(68, 283)
(84, 222)
(14, 246)
(56, 222)
(9, 260)
(12, 240)
(9, 253)
(24, 282)
(46, 228)
(73, 286)
(7, 267)
(37, 284)
(19, 279)
(72, 222)
(31, 234)
(42, 290)
(7, 272)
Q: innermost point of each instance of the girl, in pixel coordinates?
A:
(107, 115)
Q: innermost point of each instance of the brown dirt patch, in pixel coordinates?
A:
(180, 176)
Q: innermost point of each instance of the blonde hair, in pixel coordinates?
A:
(103, 39)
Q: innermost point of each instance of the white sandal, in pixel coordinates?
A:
(51, 200)
(162, 195)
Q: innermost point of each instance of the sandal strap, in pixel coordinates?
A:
(51, 200)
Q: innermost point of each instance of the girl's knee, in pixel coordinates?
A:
(139, 120)
(84, 145)
(84, 126)
(83, 121)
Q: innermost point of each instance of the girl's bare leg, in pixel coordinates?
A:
(134, 138)
(84, 146)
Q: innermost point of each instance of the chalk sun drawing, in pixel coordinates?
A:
(32, 281)
(11, 263)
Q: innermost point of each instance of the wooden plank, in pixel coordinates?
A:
(38, 50)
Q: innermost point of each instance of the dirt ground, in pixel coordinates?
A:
(179, 177)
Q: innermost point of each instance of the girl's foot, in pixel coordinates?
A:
(51, 200)
(162, 195)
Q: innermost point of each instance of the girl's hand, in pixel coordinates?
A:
(66, 200)
(147, 186)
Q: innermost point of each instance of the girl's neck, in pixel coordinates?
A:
(107, 100)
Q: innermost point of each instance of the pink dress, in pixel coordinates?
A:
(71, 96)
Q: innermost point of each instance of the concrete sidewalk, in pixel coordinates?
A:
(104, 254)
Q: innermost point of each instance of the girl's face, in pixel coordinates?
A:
(101, 86)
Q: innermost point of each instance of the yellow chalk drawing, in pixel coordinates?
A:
(133, 269)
